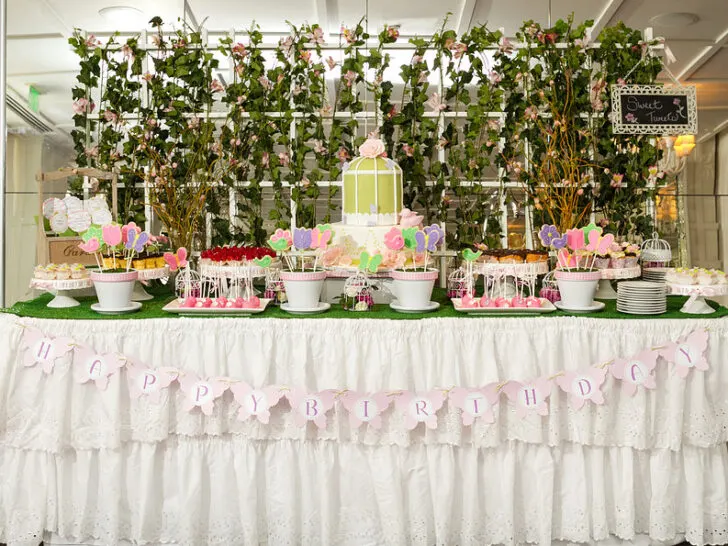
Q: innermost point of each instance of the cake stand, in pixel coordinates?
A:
(139, 294)
(696, 304)
(59, 289)
(605, 290)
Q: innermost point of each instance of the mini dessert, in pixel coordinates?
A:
(631, 254)
(139, 264)
(234, 255)
(535, 256)
(78, 271)
(63, 273)
(601, 261)
(617, 260)
(470, 302)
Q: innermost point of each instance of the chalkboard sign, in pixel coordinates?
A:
(654, 110)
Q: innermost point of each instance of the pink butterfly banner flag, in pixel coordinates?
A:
(255, 402)
(365, 407)
(636, 371)
(529, 398)
(91, 366)
(43, 350)
(420, 408)
(688, 353)
(200, 393)
(475, 403)
(582, 386)
(148, 381)
(310, 406)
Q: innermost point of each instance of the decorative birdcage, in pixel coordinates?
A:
(655, 252)
(357, 294)
(188, 284)
(459, 284)
(550, 288)
(275, 290)
(372, 192)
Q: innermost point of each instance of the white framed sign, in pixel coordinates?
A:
(654, 109)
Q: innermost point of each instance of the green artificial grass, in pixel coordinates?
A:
(36, 308)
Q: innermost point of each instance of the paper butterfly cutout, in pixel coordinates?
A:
(688, 353)
(43, 350)
(529, 397)
(599, 244)
(365, 408)
(200, 393)
(470, 256)
(137, 242)
(420, 408)
(475, 403)
(369, 263)
(111, 234)
(583, 385)
(255, 402)
(310, 406)
(178, 260)
(148, 382)
(90, 246)
(575, 238)
(635, 371)
(320, 237)
(263, 262)
(91, 366)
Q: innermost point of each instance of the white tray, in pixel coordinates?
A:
(546, 307)
(174, 307)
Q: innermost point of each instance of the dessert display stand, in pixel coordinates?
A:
(139, 294)
(60, 289)
(605, 290)
(696, 304)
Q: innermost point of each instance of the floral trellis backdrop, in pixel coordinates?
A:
(477, 123)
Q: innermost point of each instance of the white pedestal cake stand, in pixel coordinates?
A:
(696, 304)
(59, 289)
(605, 290)
(139, 294)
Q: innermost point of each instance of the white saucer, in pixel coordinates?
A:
(432, 306)
(135, 306)
(322, 306)
(596, 306)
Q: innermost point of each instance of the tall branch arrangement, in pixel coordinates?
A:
(289, 119)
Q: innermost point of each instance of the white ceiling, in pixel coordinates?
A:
(38, 53)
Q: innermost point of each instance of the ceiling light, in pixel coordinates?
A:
(123, 16)
(675, 20)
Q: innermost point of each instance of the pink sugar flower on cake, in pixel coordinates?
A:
(331, 256)
(408, 218)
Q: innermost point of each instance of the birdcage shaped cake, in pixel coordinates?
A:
(357, 294)
(372, 188)
(655, 252)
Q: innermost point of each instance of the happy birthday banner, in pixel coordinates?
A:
(583, 386)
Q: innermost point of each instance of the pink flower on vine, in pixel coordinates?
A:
(531, 113)
(326, 111)
(423, 77)
(505, 45)
(92, 42)
(110, 116)
(317, 36)
(350, 78)
(435, 103)
(284, 159)
(265, 159)
(408, 150)
(318, 147)
(349, 35)
(306, 56)
(193, 123)
(494, 77)
(83, 106)
(330, 62)
(342, 154)
(286, 45)
(147, 77)
(127, 52)
(616, 181)
(416, 59)
(239, 50)
(265, 82)
(92, 152)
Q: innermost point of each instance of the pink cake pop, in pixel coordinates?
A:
(469, 301)
(533, 301)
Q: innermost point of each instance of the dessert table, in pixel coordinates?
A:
(107, 464)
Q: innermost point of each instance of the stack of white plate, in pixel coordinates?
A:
(641, 298)
(655, 274)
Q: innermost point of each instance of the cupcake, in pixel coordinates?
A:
(40, 272)
(78, 271)
(601, 261)
(617, 260)
(705, 277)
(63, 273)
(631, 255)
(51, 270)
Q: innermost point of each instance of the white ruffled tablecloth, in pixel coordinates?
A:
(86, 463)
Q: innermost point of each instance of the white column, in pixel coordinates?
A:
(3, 138)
